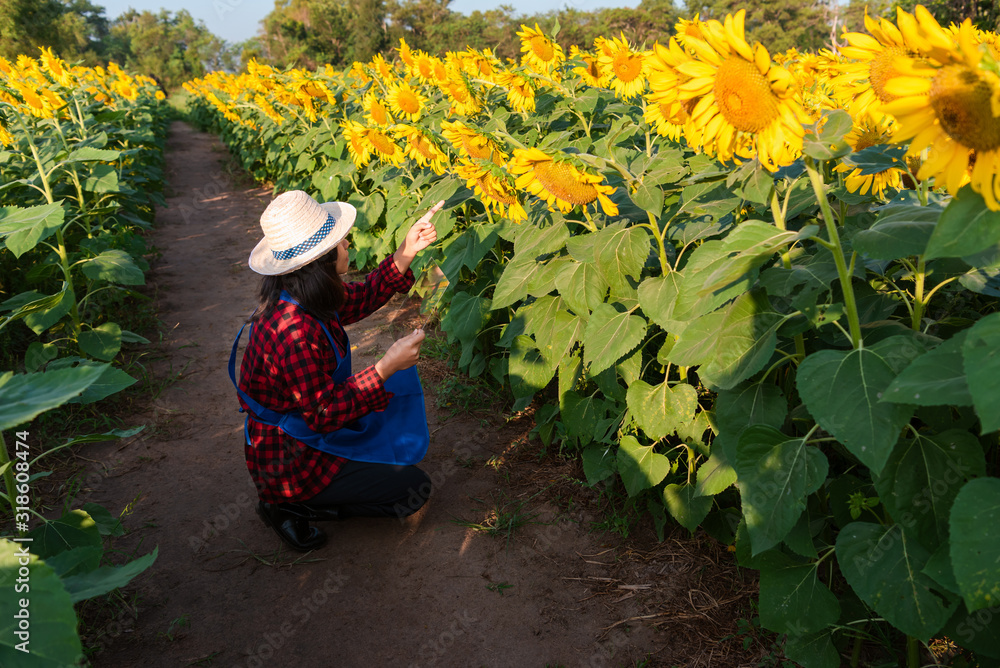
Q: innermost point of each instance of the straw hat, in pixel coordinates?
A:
(297, 230)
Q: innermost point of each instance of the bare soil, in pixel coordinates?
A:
(426, 591)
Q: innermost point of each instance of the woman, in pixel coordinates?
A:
(296, 341)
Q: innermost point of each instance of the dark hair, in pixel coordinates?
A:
(316, 286)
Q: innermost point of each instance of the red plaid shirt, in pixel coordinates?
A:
(287, 365)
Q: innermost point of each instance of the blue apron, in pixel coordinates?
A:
(397, 435)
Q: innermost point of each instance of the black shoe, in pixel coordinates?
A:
(295, 531)
(311, 514)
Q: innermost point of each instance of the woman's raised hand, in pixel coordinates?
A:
(421, 235)
(401, 355)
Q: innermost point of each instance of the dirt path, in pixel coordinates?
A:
(421, 592)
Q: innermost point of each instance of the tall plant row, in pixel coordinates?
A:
(81, 168)
(759, 290)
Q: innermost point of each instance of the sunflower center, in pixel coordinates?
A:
(425, 69)
(477, 147)
(744, 96)
(627, 66)
(542, 47)
(961, 100)
(881, 70)
(382, 143)
(558, 179)
(408, 102)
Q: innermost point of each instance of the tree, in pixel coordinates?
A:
(777, 24)
(73, 29)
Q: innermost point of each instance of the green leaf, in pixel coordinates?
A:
(966, 227)
(975, 542)
(53, 635)
(110, 382)
(978, 631)
(922, 478)
(748, 404)
(843, 390)
(102, 179)
(582, 285)
(599, 462)
(23, 397)
(581, 414)
(936, 378)
(115, 266)
(465, 318)
(829, 142)
(22, 229)
(658, 296)
(529, 371)
(813, 650)
(686, 506)
(610, 336)
(883, 565)
(648, 197)
(792, 598)
(107, 524)
(982, 369)
(468, 249)
(39, 354)
(748, 247)
(715, 475)
(879, 158)
(104, 579)
(732, 343)
(775, 474)
(903, 228)
(74, 529)
(639, 466)
(102, 342)
(533, 242)
(513, 284)
(76, 560)
(621, 252)
(660, 409)
(89, 154)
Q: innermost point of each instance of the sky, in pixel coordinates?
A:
(237, 20)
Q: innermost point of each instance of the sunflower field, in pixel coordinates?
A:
(758, 291)
(81, 167)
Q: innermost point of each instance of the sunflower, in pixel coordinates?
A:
(949, 103)
(869, 132)
(34, 103)
(590, 73)
(375, 110)
(627, 69)
(5, 137)
(540, 52)
(463, 100)
(421, 148)
(160, 95)
(423, 67)
(559, 182)
(406, 102)
(520, 91)
(862, 82)
(267, 109)
(405, 54)
(384, 147)
(664, 109)
(56, 67)
(471, 144)
(357, 143)
(493, 187)
(689, 28)
(383, 68)
(742, 98)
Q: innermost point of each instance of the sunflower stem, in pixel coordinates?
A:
(919, 301)
(660, 234)
(779, 220)
(838, 254)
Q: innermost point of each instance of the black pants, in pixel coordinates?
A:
(375, 490)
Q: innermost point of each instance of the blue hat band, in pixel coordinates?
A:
(309, 243)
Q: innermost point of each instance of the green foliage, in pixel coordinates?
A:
(817, 365)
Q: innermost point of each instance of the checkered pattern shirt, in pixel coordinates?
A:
(287, 365)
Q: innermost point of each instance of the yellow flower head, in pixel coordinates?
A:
(869, 132)
(406, 101)
(422, 148)
(741, 99)
(56, 68)
(471, 144)
(357, 143)
(405, 54)
(494, 188)
(520, 91)
(384, 147)
(591, 73)
(5, 137)
(463, 99)
(375, 111)
(540, 52)
(947, 103)
(559, 182)
(627, 69)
